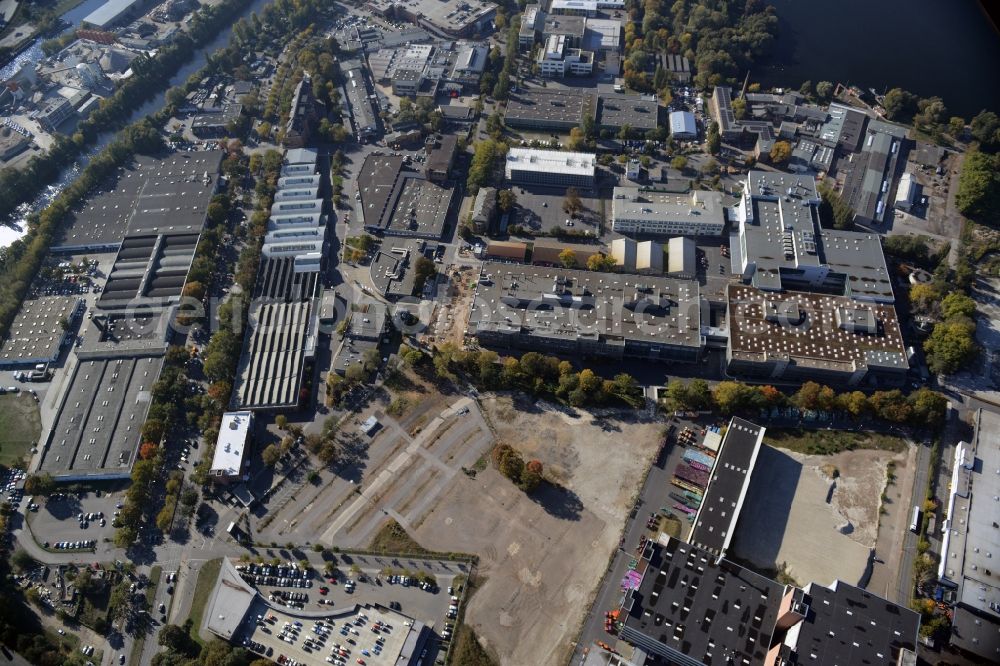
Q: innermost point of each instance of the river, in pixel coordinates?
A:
(68, 174)
(947, 48)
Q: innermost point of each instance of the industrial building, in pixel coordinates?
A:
(585, 313)
(642, 211)
(573, 28)
(38, 332)
(95, 434)
(446, 18)
(540, 109)
(682, 258)
(685, 603)
(805, 336)
(603, 36)
(149, 271)
(114, 12)
(779, 244)
(870, 177)
(396, 200)
(153, 196)
(573, 7)
(364, 117)
(284, 313)
(641, 113)
(969, 541)
(530, 166)
(692, 608)
(231, 460)
(726, 489)
(392, 269)
(906, 193)
(683, 126)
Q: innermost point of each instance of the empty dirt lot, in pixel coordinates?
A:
(831, 524)
(542, 556)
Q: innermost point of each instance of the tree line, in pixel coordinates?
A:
(533, 373)
(922, 407)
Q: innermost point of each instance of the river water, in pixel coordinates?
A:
(68, 174)
(947, 48)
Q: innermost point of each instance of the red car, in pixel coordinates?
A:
(324, 590)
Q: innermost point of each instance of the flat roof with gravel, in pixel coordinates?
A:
(36, 335)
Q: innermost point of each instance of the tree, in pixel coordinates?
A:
(951, 346)
(572, 203)
(175, 638)
(824, 90)
(713, 138)
(424, 269)
(780, 152)
(899, 104)
(21, 560)
(956, 126)
(957, 304)
(148, 450)
(270, 455)
(929, 407)
(985, 128)
(354, 373)
(923, 297)
(281, 421)
(39, 484)
(577, 139)
(506, 200)
(806, 89)
(978, 195)
(679, 163)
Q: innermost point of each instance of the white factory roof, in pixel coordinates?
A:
(108, 12)
(577, 5)
(682, 122)
(907, 190)
(234, 431)
(551, 161)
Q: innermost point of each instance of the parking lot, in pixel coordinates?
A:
(57, 519)
(540, 210)
(359, 634)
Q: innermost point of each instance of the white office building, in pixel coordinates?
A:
(637, 211)
(550, 167)
(230, 457)
(557, 59)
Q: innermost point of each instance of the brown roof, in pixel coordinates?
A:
(506, 250)
(549, 254)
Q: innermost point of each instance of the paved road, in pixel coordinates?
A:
(904, 591)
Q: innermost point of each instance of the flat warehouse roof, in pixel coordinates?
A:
(559, 106)
(96, 432)
(150, 196)
(421, 209)
(632, 110)
(571, 304)
(37, 331)
(716, 519)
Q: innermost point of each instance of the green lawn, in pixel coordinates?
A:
(828, 442)
(20, 427)
(206, 583)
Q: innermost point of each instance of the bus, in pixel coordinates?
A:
(915, 523)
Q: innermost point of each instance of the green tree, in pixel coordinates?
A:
(950, 346)
(270, 455)
(577, 139)
(978, 195)
(956, 126)
(899, 104)
(679, 163)
(985, 128)
(824, 90)
(506, 200)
